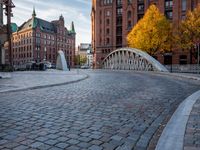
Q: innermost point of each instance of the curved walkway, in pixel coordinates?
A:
(25, 80)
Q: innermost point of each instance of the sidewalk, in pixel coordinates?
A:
(182, 132)
(192, 133)
(188, 75)
(38, 79)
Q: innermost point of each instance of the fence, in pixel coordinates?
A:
(189, 68)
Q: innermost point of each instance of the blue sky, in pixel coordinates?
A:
(72, 10)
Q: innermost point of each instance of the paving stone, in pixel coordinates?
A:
(96, 142)
(72, 141)
(73, 148)
(3, 141)
(62, 145)
(114, 109)
(21, 147)
(85, 139)
(51, 142)
(44, 147)
(36, 144)
(62, 139)
(116, 137)
(95, 147)
(84, 145)
(95, 136)
(42, 139)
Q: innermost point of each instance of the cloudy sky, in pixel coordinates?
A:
(72, 10)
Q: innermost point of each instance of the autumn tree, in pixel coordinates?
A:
(189, 30)
(151, 33)
(80, 59)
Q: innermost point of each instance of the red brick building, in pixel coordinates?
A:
(38, 40)
(112, 20)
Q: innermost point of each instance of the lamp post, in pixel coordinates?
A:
(197, 46)
(198, 58)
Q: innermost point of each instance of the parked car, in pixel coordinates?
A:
(85, 67)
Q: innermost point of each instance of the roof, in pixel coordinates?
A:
(14, 27)
(44, 25)
(72, 29)
(37, 22)
(85, 46)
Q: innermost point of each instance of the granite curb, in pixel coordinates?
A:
(45, 86)
(180, 75)
(173, 134)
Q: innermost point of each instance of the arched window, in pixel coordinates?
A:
(129, 14)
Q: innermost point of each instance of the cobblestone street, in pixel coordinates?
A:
(109, 110)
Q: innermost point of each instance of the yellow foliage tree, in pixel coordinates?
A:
(189, 31)
(151, 33)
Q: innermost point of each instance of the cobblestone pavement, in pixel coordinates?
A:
(192, 134)
(29, 79)
(109, 110)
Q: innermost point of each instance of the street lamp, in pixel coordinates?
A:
(197, 45)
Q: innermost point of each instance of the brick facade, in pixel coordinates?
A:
(38, 40)
(112, 20)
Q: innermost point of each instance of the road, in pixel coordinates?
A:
(110, 110)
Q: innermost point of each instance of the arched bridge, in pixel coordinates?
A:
(132, 59)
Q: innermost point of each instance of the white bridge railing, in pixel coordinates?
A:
(188, 68)
(132, 59)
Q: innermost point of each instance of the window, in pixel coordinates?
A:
(108, 13)
(107, 21)
(107, 41)
(129, 25)
(192, 4)
(129, 14)
(119, 30)
(169, 14)
(184, 5)
(141, 7)
(106, 2)
(169, 9)
(140, 1)
(119, 40)
(168, 4)
(119, 11)
(119, 2)
(167, 59)
(107, 31)
(119, 21)
(37, 41)
(183, 59)
(140, 16)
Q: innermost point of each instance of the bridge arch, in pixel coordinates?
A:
(132, 59)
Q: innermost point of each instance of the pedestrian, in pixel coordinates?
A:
(69, 67)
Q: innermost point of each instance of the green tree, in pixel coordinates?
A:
(151, 33)
(83, 59)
